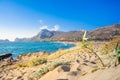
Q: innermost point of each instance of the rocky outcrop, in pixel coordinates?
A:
(4, 56)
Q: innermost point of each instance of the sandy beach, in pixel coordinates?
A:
(69, 64)
(79, 68)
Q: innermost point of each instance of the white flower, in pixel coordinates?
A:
(84, 36)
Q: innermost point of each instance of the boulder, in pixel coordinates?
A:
(64, 68)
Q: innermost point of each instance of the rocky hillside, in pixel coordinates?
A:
(104, 33)
(6, 40)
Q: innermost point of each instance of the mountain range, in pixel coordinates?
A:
(104, 33)
(6, 40)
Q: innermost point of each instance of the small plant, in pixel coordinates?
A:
(85, 45)
(22, 65)
(33, 62)
(38, 61)
(110, 48)
(105, 49)
(84, 40)
(117, 51)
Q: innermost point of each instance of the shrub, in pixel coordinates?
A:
(33, 62)
(111, 48)
(86, 45)
(22, 65)
(49, 67)
(117, 51)
(38, 61)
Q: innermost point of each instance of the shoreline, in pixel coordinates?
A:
(48, 53)
(75, 44)
(15, 53)
(65, 64)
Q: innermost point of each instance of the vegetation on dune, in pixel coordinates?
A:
(112, 49)
(117, 51)
(38, 61)
(49, 67)
(110, 46)
(33, 62)
(86, 45)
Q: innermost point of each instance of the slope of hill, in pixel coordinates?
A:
(104, 33)
(6, 40)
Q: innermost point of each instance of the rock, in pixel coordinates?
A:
(86, 61)
(73, 73)
(93, 62)
(78, 61)
(64, 68)
(78, 69)
(19, 77)
(85, 64)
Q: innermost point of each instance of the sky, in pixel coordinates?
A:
(25, 18)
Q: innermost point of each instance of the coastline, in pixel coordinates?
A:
(23, 59)
(68, 64)
(65, 43)
(18, 48)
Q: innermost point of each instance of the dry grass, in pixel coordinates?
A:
(110, 46)
(33, 62)
(49, 67)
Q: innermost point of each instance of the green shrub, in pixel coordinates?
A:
(117, 51)
(22, 65)
(38, 61)
(86, 45)
(33, 62)
(49, 67)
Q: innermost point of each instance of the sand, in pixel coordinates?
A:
(80, 68)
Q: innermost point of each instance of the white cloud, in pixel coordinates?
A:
(44, 27)
(54, 28)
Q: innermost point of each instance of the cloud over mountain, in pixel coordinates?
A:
(54, 28)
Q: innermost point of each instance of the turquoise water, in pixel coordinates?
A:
(17, 48)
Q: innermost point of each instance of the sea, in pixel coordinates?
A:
(18, 48)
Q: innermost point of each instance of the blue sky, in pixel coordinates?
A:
(25, 18)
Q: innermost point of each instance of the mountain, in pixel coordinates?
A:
(6, 40)
(104, 33)
(46, 35)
